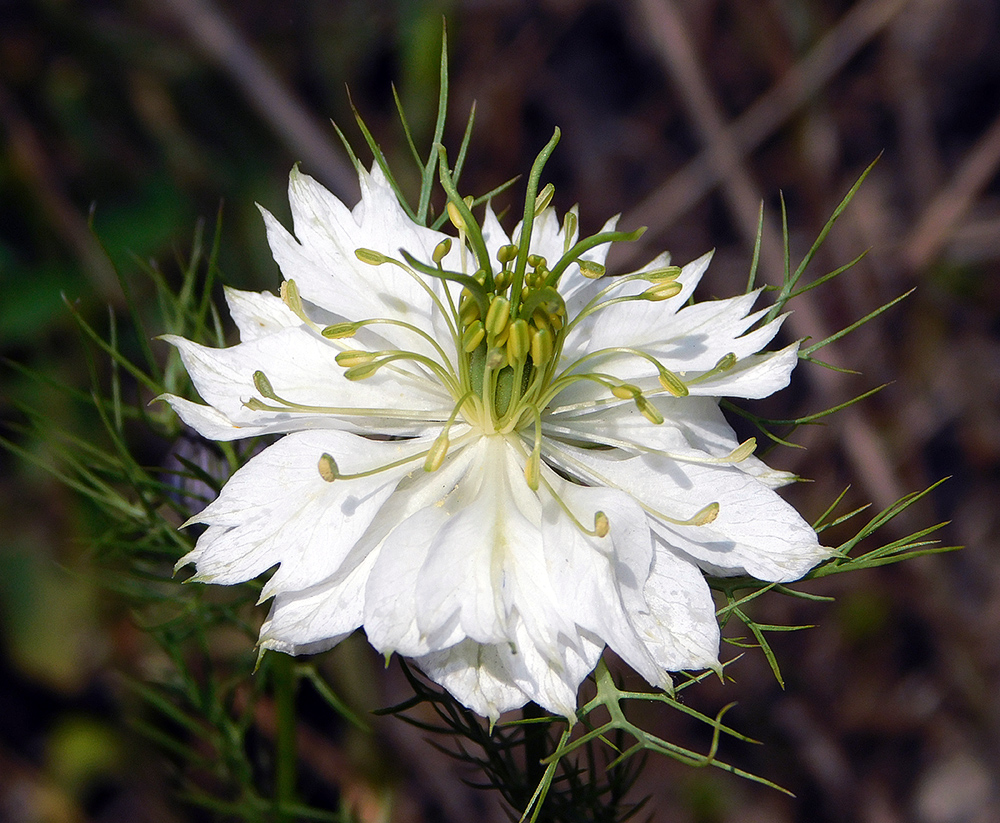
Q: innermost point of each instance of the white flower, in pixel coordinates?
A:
(495, 480)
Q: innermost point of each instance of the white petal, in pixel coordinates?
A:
(680, 628)
(493, 679)
(619, 324)
(205, 420)
(756, 376)
(258, 313)
(278, 509)
(469, 568)
(318, 618)
(302, 369)
(472, 566)
(599, 582)
(494, 237)
(756, 532)
(390, 604)
(477, 676)
(327, 271)
(693, 427)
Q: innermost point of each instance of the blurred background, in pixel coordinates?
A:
(141, 118)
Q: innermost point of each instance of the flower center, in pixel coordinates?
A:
(508, 323)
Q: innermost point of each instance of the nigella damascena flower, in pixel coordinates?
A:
(496, 460)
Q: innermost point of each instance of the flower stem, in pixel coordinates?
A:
(286, 754)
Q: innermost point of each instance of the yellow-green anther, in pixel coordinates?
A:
(354, 357)
(362, 372)
(441, 250)
(649, 411)
(625, 391)
(435, 457)
(541, 347)
(533, 470)
(328, 468)
(506, 253)
(256, 404)
(473, 336)
(498, 315)
(536, 260)
(662, 291)
(339, 330)
(291, 297)
(263, 385)
(601, 524)
(372, 258)
(664, 275)
(726, 362)
(570, 222)
(544, 197)
(468, 312)
(456, 216)
(743, 450)
(590, 269)
(540, 319)
(502, 280)
(518, 340)
(672, 383)
(705, 516)
(502, 338)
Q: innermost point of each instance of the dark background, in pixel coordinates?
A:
(683, 116)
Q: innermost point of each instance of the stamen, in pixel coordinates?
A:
(649, 411)
(672, 383)
(340, 330)
(328, 468)
(742, 451)
(473, 336)
(356, 357)
(544, 198)
(439, 449)
(518, 341)
(570, 223)
(533, 465)
(664, 275)
(706, 515)
(436, 455)
(498, 314)
(441, 251)
(372, 258)
(591, 270)
(601, 524)
(541, 347)
(455, 216)
(290, 296)
(661, 291)
(263, 385)
(505, 254)
(626, 391)
(700, 518)
(363, 372)
(726, 362)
